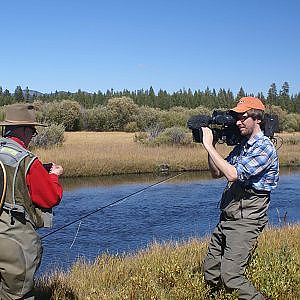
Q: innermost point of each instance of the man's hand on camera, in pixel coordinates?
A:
(207, 136)
(56, 169)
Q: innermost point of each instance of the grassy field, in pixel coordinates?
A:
(173, 271)
(108, 153)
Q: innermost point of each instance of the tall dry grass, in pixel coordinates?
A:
(108, 153)
(174, 271)
(289, 152)
(101, 153)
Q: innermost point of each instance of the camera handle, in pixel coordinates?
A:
(197, 135)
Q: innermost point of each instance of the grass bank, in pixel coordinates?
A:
(109, 153)
(173, 271)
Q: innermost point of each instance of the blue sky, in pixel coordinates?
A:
(167, 44)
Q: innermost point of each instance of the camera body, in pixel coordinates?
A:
(224, 128)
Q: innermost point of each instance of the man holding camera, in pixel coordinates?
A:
(29, 192)
(252, 172)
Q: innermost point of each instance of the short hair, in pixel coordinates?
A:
(256, 114)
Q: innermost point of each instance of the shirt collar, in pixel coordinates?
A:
(253, 139)
(18, 141)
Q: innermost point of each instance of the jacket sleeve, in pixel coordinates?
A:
(44, 188)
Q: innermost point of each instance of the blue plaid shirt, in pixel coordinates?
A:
(256, 162)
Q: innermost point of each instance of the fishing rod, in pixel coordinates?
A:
(110, 204)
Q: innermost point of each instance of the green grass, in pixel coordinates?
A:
(174, 271)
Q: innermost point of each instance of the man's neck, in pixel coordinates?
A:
(255, 131)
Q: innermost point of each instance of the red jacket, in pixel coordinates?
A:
(44, 188)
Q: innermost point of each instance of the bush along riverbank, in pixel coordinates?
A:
(174, 271)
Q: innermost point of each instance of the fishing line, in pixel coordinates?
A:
(75, 235)
(108, 205)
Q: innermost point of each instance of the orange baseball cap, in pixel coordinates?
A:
(247, 103)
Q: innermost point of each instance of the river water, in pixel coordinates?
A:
(175, 210)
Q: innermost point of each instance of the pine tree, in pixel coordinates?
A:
(151, 96)
(260, 96)
(6, 98)
(284, 97)
(240, 94)
(272, 94)
(6, 93)
(27, 94)
(297, 103)
(285, 90)
(19, 97)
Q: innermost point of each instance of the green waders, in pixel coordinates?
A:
(233, 240)
(20, 257)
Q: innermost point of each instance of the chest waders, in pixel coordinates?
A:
(242, 219)
(20, 245)
(239, 202)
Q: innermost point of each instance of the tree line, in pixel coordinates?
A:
(122, 114)
(187, 98)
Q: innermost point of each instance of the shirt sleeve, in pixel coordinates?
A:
(254, 162)
(233, 154)
(44, 188)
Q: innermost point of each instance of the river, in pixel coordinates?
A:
(175, 210)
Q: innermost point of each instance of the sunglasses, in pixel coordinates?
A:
(34, 132)
(242, 118)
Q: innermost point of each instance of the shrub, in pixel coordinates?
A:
(169, 136)
(121, 111)
(49, 136)
(292, 122)
(95, 119)
(147, 117)
(172, 118)
(140, 137)
(154, 131)
(174, 136)
(200, 110)
(178, 116)
(66, 113)
(131, 127)
(149, 135)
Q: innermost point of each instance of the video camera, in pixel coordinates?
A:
(224, 128)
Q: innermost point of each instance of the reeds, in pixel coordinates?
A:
(109, 153)
(174, 271)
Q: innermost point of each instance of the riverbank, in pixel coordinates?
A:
(111, 153)
(173, 271)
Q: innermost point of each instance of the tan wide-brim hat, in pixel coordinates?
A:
(20, 114)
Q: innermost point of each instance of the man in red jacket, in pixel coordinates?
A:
(29, 193)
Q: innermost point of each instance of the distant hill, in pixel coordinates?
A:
(32, 93)
(64, 92)
(37, 93)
